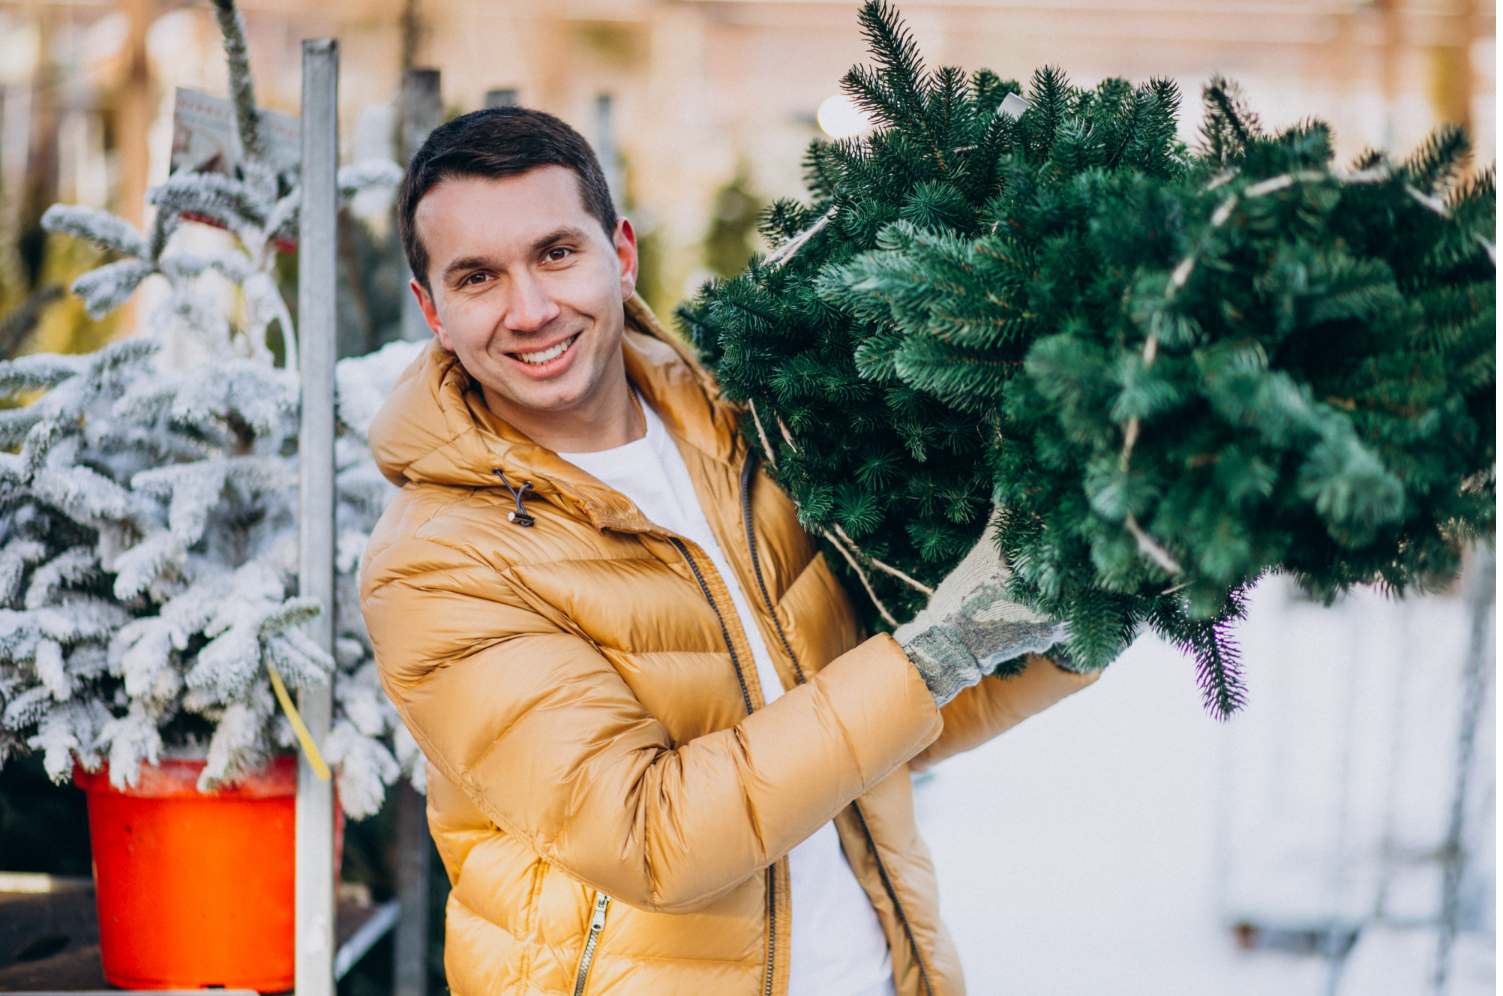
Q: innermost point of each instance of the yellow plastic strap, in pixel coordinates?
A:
(303, 736)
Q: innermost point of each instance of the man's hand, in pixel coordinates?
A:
(970, 626)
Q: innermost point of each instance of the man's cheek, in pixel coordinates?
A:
(467, 325)
(583, 287)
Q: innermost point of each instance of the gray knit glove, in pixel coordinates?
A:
(970, 626)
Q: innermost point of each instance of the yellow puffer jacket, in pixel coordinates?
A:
(612, 803)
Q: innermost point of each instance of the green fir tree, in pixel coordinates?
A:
(1174, 370)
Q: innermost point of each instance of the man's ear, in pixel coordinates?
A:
(626, 254)
(430, 313)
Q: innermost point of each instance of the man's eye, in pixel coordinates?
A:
(477, 278)
(557, 253)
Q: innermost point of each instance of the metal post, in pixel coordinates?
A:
(1479, 587)
(421, 107)
(410, 950)
(605, 149)
(317, 243)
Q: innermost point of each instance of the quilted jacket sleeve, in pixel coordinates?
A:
(539, 730)
(996, 705)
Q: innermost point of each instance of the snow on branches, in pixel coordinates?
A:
(148, 520)
(148, 539)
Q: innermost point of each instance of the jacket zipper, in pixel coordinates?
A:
(597, 924)
(892, 893)
(747, 470)
(772, 926)
(724, 632)
(772, 899)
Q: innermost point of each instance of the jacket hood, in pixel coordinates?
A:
(435, 427)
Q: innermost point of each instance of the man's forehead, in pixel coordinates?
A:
(545, 196)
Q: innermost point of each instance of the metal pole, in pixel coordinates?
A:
(410, 950)
(605, 149)
(1479, 587)
(422, 109)
(316, 295)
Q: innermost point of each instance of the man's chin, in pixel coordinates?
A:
(541, 397)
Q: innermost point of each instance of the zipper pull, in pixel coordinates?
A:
(597, 922)
(592, 938)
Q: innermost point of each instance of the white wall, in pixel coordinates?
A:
(1107, 847)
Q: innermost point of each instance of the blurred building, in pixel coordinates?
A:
(693, 97)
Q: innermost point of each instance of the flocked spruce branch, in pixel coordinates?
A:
(148, 533)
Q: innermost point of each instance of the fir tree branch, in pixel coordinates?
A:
(1440, 158)
(896, 90)
(1180, 276)
(772, 457)
(1150, 547)
(836, 543)
(1229, 125)
(865, 581)
(787, 436)
(1429, 201)
(879, 565)
(1048, 110)
(163, 224)
(1278, 384)
(242, 86)
(1220, 672)
(790, 248)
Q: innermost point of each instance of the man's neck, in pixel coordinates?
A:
(607, 419)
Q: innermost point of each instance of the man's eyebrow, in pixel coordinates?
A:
(563, 234)
(466, 263)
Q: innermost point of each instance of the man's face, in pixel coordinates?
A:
(527, 289)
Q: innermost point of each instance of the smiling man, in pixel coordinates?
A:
(661, 757)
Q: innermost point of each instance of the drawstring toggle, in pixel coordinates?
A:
(519, 515)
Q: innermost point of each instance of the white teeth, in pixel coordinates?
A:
(552, 352)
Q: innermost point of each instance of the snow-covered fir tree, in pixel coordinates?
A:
(148, 530)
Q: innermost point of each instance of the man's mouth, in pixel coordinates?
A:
(543, 356)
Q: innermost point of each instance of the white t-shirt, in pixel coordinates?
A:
(838, 948)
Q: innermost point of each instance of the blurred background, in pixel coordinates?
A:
(1337, 837)
(699, 108)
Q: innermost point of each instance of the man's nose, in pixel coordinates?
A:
(529, 306)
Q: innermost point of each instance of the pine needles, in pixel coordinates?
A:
(1173, 369)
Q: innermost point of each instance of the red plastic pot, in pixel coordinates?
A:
(196, 890)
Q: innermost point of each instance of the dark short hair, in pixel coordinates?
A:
(491, 144)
